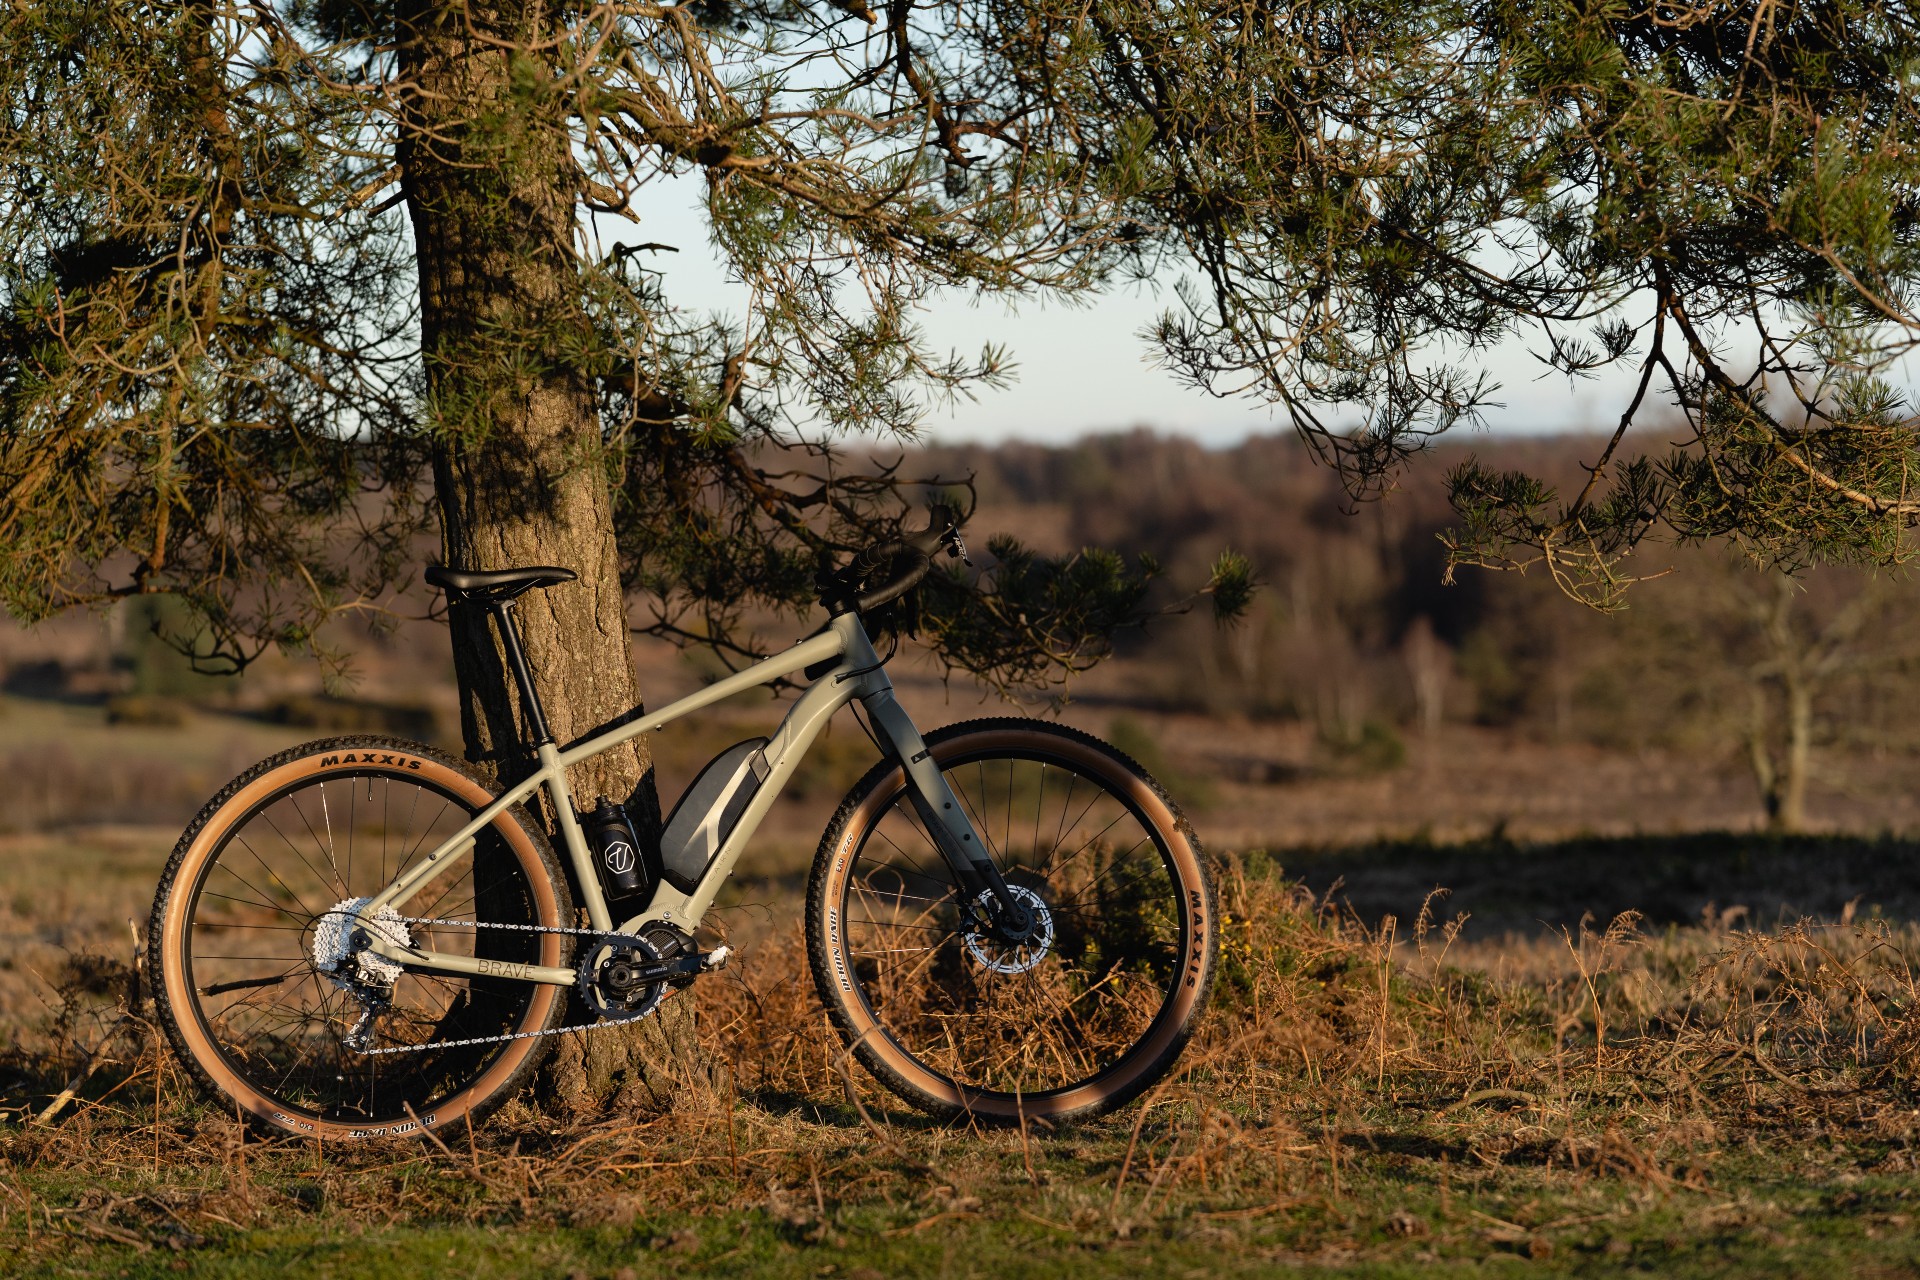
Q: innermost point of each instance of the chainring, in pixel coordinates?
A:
(602, 961)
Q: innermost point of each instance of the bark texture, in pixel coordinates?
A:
(518, 472)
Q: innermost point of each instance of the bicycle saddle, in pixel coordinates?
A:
(494, 584)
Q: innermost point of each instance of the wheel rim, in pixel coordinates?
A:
(277, 1023)
(1034, 1017)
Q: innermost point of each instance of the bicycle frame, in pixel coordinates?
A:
(857, 673)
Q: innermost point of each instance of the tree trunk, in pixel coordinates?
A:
(518, 471)
(1793, 790)
(1794, 666)
(1760, 755)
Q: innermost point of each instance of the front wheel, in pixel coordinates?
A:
(1085, 1012)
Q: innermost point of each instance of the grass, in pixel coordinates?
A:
(1370, 1096)
(1508, 886)
(66, 765)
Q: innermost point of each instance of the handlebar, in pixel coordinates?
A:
(914, 552)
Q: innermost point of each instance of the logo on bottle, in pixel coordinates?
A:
(619, 857)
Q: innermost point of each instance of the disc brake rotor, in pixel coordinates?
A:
(1002, 956)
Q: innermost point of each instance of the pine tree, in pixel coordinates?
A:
(284, 284)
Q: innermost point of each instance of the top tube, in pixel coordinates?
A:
(829, 643)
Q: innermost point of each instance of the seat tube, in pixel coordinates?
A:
(502, 611)
(579, 856)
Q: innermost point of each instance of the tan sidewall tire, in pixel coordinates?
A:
(169, 930)
(893, 1065)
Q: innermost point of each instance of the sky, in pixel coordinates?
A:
(1084, 369)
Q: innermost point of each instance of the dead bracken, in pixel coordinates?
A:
(1360, 1091)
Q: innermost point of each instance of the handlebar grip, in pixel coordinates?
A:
(870, 559)
(892, 590)
(942, 520)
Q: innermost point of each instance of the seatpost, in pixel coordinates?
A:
(502, 611)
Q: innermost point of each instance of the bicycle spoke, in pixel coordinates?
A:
(285, 1032)
(1041, 1016)
(303, 857)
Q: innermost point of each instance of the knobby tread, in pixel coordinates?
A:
(479, 1108)
(820, 961)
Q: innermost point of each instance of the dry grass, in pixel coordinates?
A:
(1364, 1096)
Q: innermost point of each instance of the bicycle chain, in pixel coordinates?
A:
(515, 1035)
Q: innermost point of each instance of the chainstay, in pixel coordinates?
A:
(488, 924)
(516, 1035)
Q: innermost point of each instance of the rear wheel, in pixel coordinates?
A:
(245, 923)
(1078, 1016)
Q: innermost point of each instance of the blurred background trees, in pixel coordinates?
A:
(1725, 661)
(1767, 693)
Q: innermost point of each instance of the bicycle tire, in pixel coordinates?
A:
(525, 877)
(893, 1032)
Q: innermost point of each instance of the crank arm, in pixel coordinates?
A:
(686, 966)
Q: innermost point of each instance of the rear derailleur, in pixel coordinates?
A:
(342, 950)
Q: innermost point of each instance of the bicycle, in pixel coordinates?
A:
(1006, 918)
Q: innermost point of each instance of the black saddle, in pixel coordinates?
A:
(494, 584)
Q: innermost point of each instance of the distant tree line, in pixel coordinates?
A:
(1359, 631)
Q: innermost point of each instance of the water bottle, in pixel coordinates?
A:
(617, 854)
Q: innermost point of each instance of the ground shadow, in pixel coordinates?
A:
(1513, 887)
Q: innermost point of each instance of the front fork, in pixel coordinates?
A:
(944, 817)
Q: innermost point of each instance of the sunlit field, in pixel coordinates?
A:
(1376, 1089)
